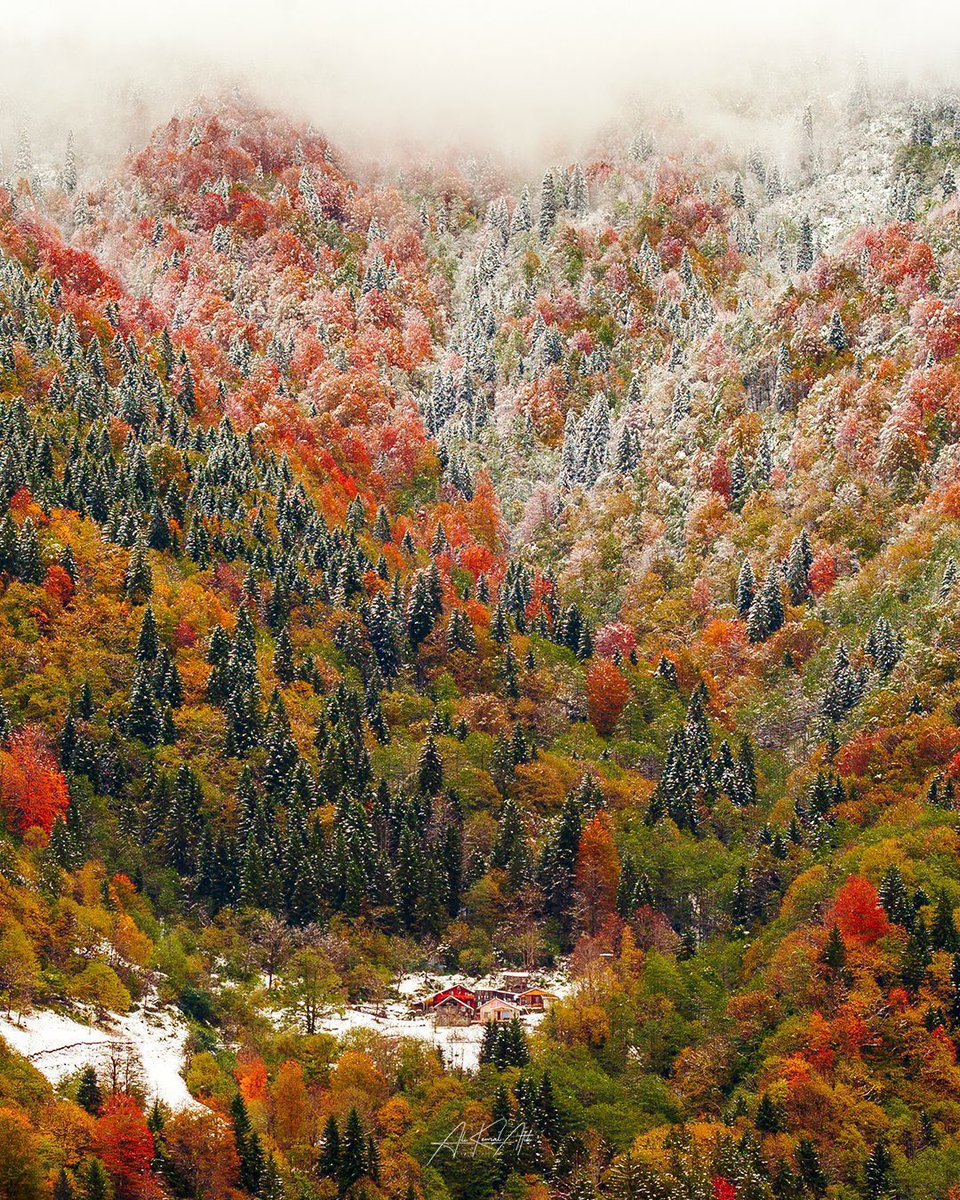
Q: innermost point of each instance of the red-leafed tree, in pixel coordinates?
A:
(720, 479)
(33, 789)
(125, 1144)
(597, 874)
(607, 695)
(858, 912)
(58, 584)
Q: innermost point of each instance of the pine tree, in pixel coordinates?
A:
(809, 1168)
(834, 954)
(249, 1149)
(877, 1171)
(799, 561)
(548, 207)
(89, 1095)
(283, 664)
(916, 956)
(96, 1184)
(329, 1161)
(943, 933)
(382, 632)
(381, 525)
(138, 580)
(429, 768)
(144, 716)
(837, 337)
(353, 1157)
(421, 613)
(27, 564)
(62, 1188)
(805, 246)
(769, 1119)
(746, 588)
(148, 640)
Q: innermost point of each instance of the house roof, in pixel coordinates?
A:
(451, 997)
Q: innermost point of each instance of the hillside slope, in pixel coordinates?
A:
(427, 576)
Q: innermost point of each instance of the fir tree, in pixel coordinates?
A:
(429, 769)
(329, 1160)
(353, 1156)
(89, 1094)
(138, 580)
(27, 563)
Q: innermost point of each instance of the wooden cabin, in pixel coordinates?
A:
(451, 1010)
(458, 991)
(536, 999)
(497, 1011)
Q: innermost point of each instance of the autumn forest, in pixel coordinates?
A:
(432, 574)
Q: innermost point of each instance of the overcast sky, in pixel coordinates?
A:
(515, 73)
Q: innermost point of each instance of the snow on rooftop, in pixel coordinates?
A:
(58, 1045)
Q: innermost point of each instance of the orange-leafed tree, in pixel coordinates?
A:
(597, 873)
(201, 1148)
(125, 1144)
(58, 584)
(607, 695)
(32, 787)
(292, 1110)
(858, 912)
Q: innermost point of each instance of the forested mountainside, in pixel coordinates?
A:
(442, 573)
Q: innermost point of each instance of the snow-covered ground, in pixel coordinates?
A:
(853, 188)
(58, 1045)
(459, 1044)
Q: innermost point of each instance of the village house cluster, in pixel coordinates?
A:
(512, 996)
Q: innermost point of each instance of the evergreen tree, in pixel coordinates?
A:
(283, 664)
(837, 337)
(96, 1184)
(769, 1119)
(746, 588)
(249, 1150)
(548, 206)
(62, 1187)
(353, 1156)
(89, 1094)
(943, 933)
(834, 955)
(27, 563)
(329, 1161)
(429, 768)
(809, 1168)
(878, 1171)
(138, 580)
(805, 246)
(148, 640)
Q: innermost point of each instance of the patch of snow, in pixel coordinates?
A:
(58, 1046)
(459, 1044)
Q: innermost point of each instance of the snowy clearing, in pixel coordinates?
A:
(58, 1045)
(459, 1044)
